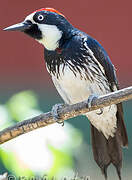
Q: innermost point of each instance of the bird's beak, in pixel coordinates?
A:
(19, 27)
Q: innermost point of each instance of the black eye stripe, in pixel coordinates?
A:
(28, 21)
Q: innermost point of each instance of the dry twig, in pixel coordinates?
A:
(64, 113)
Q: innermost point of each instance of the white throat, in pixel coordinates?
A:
(51, 36)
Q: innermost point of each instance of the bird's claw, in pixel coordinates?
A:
(90, 100)
(60, 122)
(55, 114)
(101, 111)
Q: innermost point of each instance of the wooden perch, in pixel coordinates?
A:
(64, 113)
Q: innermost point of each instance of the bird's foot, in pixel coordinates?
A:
(55, 114)
(101, 111)
(91, 98)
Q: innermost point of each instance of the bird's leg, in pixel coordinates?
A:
(90, 99)
(55, 114)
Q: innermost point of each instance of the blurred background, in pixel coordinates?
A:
(27, 90)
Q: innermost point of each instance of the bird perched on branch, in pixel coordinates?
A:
(80, 68)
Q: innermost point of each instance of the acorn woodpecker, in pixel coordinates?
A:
(80, 67)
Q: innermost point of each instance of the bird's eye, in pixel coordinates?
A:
(40, 17)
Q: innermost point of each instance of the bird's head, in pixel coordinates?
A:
(46, 25)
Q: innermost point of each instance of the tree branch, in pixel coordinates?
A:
(64, 113)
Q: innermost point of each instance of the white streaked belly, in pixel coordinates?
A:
(74, 89)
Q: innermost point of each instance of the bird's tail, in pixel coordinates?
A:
(109, 151)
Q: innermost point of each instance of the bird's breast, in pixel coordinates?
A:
(74, 87)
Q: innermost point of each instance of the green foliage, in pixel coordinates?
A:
(25, 105)
(10, 162)
(59, 150)
(61, 160)
(22, 104)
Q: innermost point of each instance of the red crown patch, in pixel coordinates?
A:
(50, 10)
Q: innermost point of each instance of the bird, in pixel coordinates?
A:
(81, 69)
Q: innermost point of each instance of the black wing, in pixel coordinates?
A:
(102, 57)
(108, 151)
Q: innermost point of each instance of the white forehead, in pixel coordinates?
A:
(30, 17)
